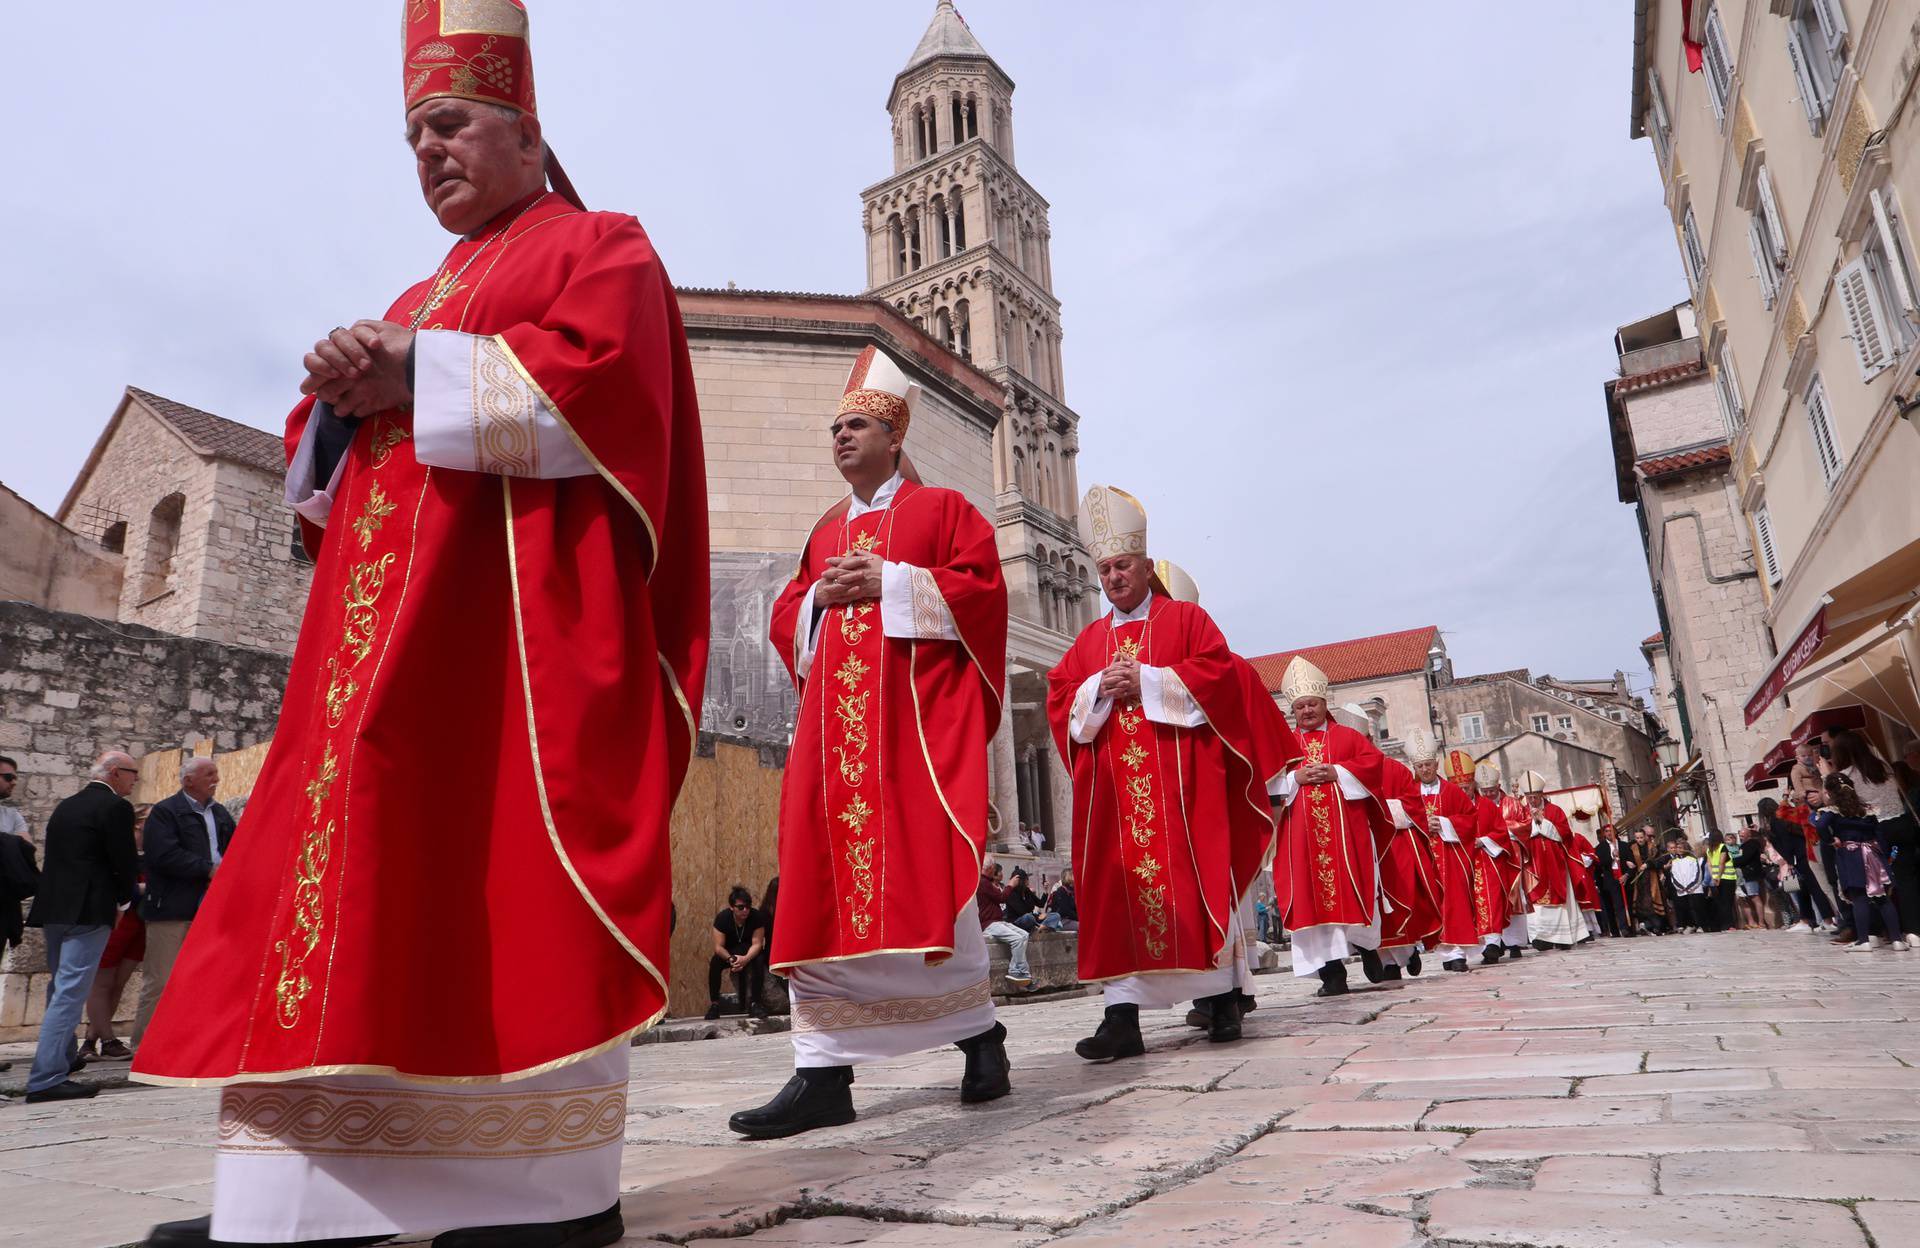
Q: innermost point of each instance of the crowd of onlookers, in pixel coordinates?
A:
(1838, 851)
(115, 893)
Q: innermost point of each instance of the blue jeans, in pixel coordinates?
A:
(73, 955)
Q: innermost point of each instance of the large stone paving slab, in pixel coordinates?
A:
(1703, 1091)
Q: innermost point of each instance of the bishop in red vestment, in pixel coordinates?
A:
(1333, 827)
(451, 893)
(894, 628)
(1409, 873)
(1503, 823)
(1555, 920)
(1448, 812)
(1169, 822)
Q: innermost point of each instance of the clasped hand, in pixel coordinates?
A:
(1121, 679)
(362, 369)
(849, 578)
(1316, 773)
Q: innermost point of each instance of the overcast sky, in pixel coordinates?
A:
(1338, 295)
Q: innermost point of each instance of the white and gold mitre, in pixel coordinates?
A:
(1114, 523)
(1354, 716)
(1303, 680)
(1486, 776)
(1421, 747)
(880, 388)
(1531, 782)
(1175, 582)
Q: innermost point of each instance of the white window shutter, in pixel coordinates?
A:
(1770, 209)
(1769, 557)
(1659, 101)
(1762, 262)
(1810, 101)
(1866, 319)
(1833, 23)
(1690, 243)
(1891, 243)
(1730, 387)
(1825, 449)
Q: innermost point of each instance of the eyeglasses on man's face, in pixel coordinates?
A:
(130, 770)
(9, 775)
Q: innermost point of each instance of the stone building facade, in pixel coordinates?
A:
(1673, 463)
(1790, 164)
(45, 563)
(190, 505)
(1486, 715)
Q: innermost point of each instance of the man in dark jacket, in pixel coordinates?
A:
(89, 876)
(186, 837)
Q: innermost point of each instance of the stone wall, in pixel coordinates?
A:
(1671, 417)
(72, 686)
(256, 591)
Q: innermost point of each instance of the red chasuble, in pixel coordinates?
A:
(1550, 862)
(1585, 888)
(1505, 822)
(1161, 813)
(1325, 869)
(1409, 876)
(1271, 749)
(1494, 902)
(883, 811)
(455, 863)
(1464, 897)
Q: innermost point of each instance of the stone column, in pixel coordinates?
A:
(1005, 782)
(1060, 782)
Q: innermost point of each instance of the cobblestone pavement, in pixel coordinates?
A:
(1753, 1089)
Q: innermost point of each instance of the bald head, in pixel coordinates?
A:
(117, 770)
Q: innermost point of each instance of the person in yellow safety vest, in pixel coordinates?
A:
(1724, 872)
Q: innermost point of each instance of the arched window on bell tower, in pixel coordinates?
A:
(972, 116)
(913, 240)
(943, 328)
(942, 225)
(897, 245)
(963, 329)
(958, 199)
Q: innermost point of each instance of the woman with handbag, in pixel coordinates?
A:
(1790, 843)
(1862, 862)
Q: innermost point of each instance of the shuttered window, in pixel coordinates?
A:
(1696, 255)
(1658, 123)
(1820, 421)
(1875, 341)
(1763, 533)
(1719, 64)
(1816, 48)
(1726, 384)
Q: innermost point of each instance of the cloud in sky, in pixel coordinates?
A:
(1338, 296)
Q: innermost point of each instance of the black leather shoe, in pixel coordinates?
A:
(1117, 1036)
(1542, 946)
(1198, 1016)
(713, 1011)
(1333, 980)
(1370, 963)
(986, 1077)
(816, 1096)
(593, 1231)
(1490, 955)
(1390, 973)
(1514, 952)
(67, 1090)
(1458, 965)
(1248, 1003)
(78, 1064)
(1223, 1014)
(1413, 963)
(757, 1010)
(198, 1233)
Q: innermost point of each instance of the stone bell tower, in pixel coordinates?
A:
(959, 242)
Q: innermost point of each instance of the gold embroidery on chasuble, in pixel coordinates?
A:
(853, 651)
(1320, 821)
(1140, 814)
(307, 919)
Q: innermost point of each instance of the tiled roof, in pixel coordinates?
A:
(216, 435)
(1364, 658)
(1659, 377)
(1685, 461)
(1658, 639)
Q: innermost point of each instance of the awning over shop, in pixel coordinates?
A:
(1876, 671)
(1828, 720)
(1758, 778)
(1661, 792)
(1866, 603)
(1777, 762)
